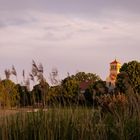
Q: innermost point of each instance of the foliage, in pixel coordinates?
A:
(25, 95)
(9, 95)
(115, 116)
(70, 88)
(71, 84)
(129, 74)
(75, 123)
(82, 76)
(39, 93)
(96, 89)
(55, 95)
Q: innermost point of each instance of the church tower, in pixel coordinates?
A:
(114, 70)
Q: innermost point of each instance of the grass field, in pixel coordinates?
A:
(71, 123)
(120, 122)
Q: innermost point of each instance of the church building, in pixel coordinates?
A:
(114, 70)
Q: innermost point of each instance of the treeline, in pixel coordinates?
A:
(79, 89)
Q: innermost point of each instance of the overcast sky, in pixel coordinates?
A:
(71, 35)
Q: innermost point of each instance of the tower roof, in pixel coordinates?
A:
(115, 62)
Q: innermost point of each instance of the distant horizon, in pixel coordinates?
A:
(69, 35)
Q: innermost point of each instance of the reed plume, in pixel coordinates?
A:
(7, 74)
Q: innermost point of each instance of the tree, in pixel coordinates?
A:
(82, 76)
(25, 95)
(55, 96)
(71, 84)
(39, 92)
(129, 76)
(94, 91)
(70, 87)
(9, 96)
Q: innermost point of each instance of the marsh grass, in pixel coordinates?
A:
(74, 123)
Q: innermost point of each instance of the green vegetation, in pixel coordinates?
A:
(67, 91)
(9, 96)
(75, 123)
(66, 112)
(129, 77)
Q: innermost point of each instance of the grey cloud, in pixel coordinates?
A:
(88, 7)
(17, 22)
(57, 28)
(2, 24)
(51, 36)
(9, 18)
(13, 22)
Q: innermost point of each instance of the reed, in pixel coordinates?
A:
(75, 123)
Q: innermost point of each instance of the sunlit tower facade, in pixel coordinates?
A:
(114, 70)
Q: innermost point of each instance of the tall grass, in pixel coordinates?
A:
(75, 123)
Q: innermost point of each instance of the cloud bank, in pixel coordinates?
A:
(73, 35)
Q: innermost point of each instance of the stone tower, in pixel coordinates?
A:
(114, 70)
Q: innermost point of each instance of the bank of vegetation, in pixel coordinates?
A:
(96, 113)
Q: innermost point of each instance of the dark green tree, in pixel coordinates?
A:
(82, 76)
(129, 77)
(94, 91)
(39, 93)
(25, 95)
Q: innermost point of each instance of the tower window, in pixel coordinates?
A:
(113, 67)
